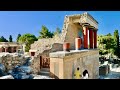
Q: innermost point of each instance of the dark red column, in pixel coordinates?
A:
(66, 46)
(95, 38)
(91, 37)
(85, 36)
(78, 43)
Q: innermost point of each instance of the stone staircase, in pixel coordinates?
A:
(45, 71)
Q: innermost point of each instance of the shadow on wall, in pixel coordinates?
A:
(53, 75)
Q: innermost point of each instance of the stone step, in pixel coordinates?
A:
(45, 69)
(44, 73)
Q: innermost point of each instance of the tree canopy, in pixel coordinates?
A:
(19, 35)
(109, 44)
(10, 38)
(2, 39)
(45, 33)
(58, 31)
(27, 39)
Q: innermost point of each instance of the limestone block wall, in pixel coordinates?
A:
(64, 64)
(36, 59)
(11, 61)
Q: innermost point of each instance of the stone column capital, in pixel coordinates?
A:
(95, 29)
(91, 28)
(85, 25)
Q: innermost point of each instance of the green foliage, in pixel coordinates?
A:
(45, 33)
(116, 40)
(19, 35)
(103, 52)
(28, 39)
(2, 39)
(109, 43)
(116, 35)
(10, 38)
(57, 32)
(109, 34)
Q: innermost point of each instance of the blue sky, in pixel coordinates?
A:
(15, 22)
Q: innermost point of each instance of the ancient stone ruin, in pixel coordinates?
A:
(10, 47)
(75, 49)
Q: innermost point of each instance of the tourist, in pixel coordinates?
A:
(85, 75)
(77, 74)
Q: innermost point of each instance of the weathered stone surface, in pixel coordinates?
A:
(10, 61)
(71, 28)
(89, 61)
(35, 65)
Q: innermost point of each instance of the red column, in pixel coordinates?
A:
(85, 36)
(66, 46)
(78, 43)
(91, 38)
(95, 38)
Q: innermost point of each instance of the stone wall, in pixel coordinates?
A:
(10, 61)
(70, 31)
(35, 65)
(64, 64)
(36, 59)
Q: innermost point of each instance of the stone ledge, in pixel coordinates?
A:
(62, 54)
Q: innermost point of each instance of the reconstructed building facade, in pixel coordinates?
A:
(10, 47)
(80, 33)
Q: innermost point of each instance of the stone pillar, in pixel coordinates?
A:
(85, 36)
(6, 49)
(23, 47)
(17, 47)
(95, 38)
(91, 37)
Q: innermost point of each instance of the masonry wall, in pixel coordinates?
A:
(35, 65)
(11, 61)
(63, 66)
(72, 33)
